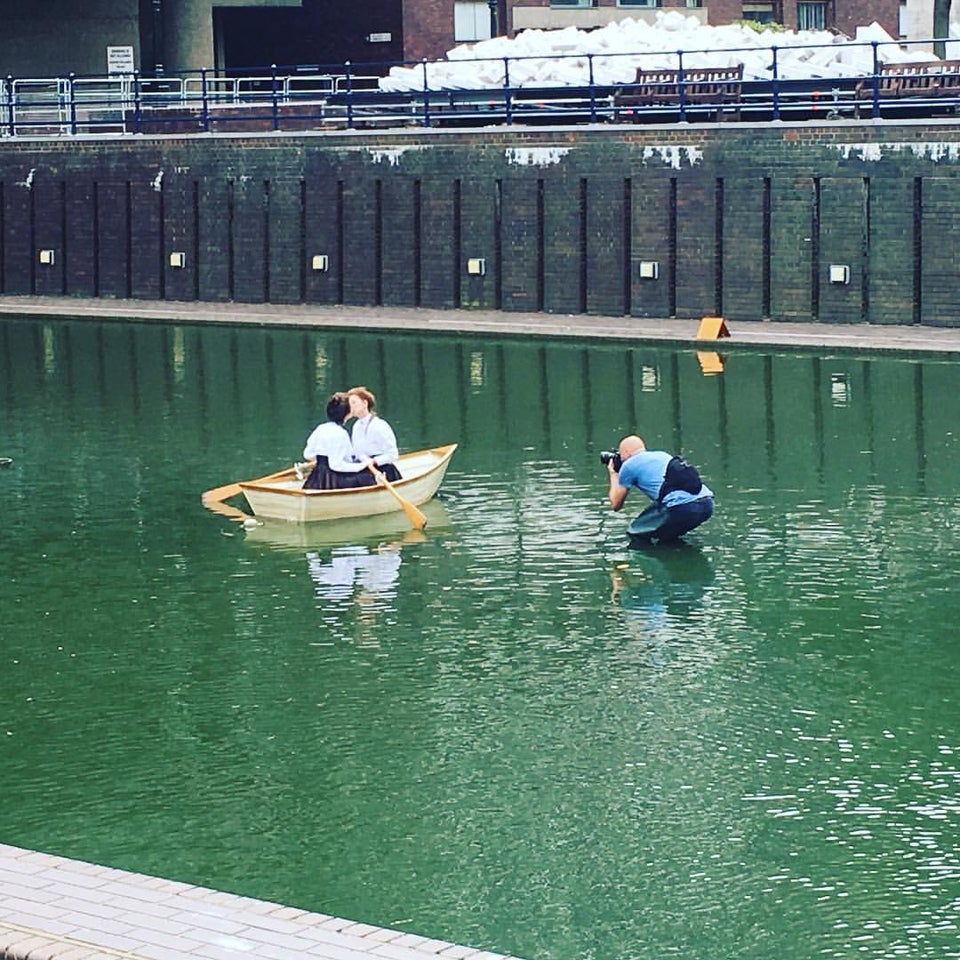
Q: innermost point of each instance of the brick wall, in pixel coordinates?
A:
(843, 15)
(745, 220)
(427, 29)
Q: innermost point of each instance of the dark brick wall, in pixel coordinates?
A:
(940, 251)
(742, 220)
(892, 251)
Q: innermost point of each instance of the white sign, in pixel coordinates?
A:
(120, 60)
(379, 37)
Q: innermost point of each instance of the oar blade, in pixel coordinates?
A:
(417, 518)
(217, 494)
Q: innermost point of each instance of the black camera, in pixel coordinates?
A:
(608, 456)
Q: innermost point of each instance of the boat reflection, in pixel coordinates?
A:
(392, 527)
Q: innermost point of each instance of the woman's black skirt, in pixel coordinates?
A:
(323, 478)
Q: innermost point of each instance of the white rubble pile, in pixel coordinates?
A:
(560, 58)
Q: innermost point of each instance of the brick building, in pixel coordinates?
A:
(842, 15)
(173, 36)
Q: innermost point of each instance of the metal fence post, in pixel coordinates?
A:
(876, 79)
(593, 90)
(776, 85)
(346, 74)
(507, 99)
(426, 94)
(204, 103)
(681, 87)
(72, 103)
(10, 105)
(275, 107)
(137, 102)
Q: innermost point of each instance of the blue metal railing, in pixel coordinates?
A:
(341, 96)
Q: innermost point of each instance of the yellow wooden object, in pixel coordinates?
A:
(712, 328)
(710, 362)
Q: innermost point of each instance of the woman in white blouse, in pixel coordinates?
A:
(329, 445)
(373, 440)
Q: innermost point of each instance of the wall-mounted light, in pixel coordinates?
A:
(178, 259)
(476, 266)
(839, 273)
(320, 261)
(48, 257)
(649, 270)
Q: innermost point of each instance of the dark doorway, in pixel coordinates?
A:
(320, 33)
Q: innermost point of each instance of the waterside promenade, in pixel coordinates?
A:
(52, 908)
(857, 337)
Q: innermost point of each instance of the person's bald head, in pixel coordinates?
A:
(630, 445)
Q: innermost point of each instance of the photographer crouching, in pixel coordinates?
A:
(681, 501)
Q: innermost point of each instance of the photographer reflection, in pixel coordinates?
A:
(681, 501)
(660, 590)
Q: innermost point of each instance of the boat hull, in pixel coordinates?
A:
(283, 497)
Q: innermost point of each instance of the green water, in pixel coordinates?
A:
(512, 732)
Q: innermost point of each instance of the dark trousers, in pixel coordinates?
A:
(664, 524)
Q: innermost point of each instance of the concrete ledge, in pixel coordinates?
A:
(53, 908)
(856, 337)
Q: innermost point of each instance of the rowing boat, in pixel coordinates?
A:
(280, 496)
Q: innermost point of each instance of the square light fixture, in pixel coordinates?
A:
(48, 257)
(839, 273)
(476, 266)
(178, 259)
(649, 270)
(320, 261)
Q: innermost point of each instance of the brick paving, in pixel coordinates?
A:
(858, 337)
(53, 908)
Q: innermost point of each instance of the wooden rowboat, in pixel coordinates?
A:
(280, 496)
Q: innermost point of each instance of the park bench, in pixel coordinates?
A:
(937, 78)
(714, 88)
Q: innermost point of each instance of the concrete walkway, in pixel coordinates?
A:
(867, 338)
(52, 908)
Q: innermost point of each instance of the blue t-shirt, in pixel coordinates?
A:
(645, 471)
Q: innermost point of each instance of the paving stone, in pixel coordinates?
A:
(111, 915)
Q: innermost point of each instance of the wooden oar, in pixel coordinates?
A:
(228, 490)
(416, 517)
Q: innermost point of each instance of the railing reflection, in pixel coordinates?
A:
(231, 402)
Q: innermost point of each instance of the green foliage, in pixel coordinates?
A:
(758, 27)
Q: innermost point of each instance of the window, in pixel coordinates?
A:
(638, 3)
(471, 20)
(812, 16)
(759, 12)
(571, 3)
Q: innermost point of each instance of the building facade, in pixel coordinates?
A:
(841, 15)
(167, 37)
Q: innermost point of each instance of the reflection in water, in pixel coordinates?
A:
(660, 590)
(395, 527)
(355, 574)
(458, 731)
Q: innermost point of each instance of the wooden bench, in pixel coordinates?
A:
(712, 87)
(937, 78)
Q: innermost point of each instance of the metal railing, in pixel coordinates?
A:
(343, 97)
